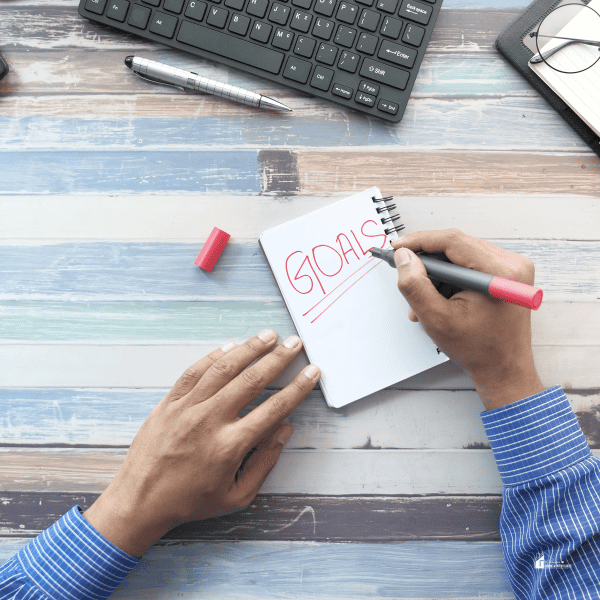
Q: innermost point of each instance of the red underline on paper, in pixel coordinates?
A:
(347, 290)
(337, 286)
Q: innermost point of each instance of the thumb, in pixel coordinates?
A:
(417, 288)
(261, 463)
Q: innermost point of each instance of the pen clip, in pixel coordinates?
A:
(153, 80)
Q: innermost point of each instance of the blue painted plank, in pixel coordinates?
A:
(148, 271)
(313, 570)
(132, 171)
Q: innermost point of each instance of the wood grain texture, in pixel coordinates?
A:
(389, 419)
(565, 270)
(364, 519)
(41, 219)
(314, 571)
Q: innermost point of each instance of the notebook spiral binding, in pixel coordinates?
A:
(386, 208)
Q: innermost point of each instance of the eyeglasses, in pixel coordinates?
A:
(568, 39)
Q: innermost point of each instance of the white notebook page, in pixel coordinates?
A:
(581, 91)
(345, 304)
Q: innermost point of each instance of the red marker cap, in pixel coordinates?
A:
(212, 249)
(516, 292)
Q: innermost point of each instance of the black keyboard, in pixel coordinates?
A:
(364, 54)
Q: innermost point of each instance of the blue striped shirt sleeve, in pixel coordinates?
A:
(70, 560)
(550, 519)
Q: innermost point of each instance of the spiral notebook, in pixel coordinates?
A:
(345, 304)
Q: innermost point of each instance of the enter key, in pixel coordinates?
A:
(399, 55)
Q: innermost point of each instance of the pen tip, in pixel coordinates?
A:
(129, 61)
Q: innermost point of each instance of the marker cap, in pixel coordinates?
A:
(212, 249)
(516, 292)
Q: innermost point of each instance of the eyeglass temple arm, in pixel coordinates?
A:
(540, 57)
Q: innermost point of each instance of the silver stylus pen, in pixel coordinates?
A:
(160, 73)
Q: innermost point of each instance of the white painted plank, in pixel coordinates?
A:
(159, 365)
(191, 217)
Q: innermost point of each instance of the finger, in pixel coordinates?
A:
(222, 371)
(412, 316)
(249, 383)
(192, 374)
(465, 250)
(278, 407)
(260, 463)
(426, 302)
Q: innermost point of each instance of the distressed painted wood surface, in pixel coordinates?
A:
(109, 188)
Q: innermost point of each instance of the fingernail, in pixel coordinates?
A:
(285, 435)
(312, 371)
(267, 335)
(228, 347)
(401, 257)
(292, 342)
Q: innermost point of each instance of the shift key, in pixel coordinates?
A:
(384, 74)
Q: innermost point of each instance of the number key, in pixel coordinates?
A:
(301, 21)
(302, 3)
(279, 13)
(325, 7)
(323, 29)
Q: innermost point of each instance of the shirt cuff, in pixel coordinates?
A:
(534, 437)
(72, 560)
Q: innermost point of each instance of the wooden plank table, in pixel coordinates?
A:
(109, 186)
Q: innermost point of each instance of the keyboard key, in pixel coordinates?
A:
(366, 2)
(152, 2)
(388, 6)
(387, 106)
(367, 43)
(391, 28)
(431, 1)
(235, 4)
(365, 99)
(297, 70)
(369, 88)
(239, 24)
(230, 47)
(163, 24)
(413, 35)
(342, 90)
(323, 29)
(279, 13)
(399, 55)
(195, 10)
(349, 61)
(217, 17)
(369, 20)
(324, 7)
(415, 11)
(305, 46)
(347, 13)
(175, 6)
(321, 78)
(257, 8)
(301, 21)
(95, 6)
(345, 36)
(283, 39)
(261, 32)
(139, 16)
(326, 54)
(117, 9)
(302, 3)
(384, 74)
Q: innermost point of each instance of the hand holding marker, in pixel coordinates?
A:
(447, 272)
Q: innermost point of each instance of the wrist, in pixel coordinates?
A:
(508, 384)
(123, 525)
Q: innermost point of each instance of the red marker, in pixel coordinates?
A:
(212, 249)
(468, 279)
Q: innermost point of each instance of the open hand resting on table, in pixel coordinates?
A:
(189, 461)
(489, 338)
